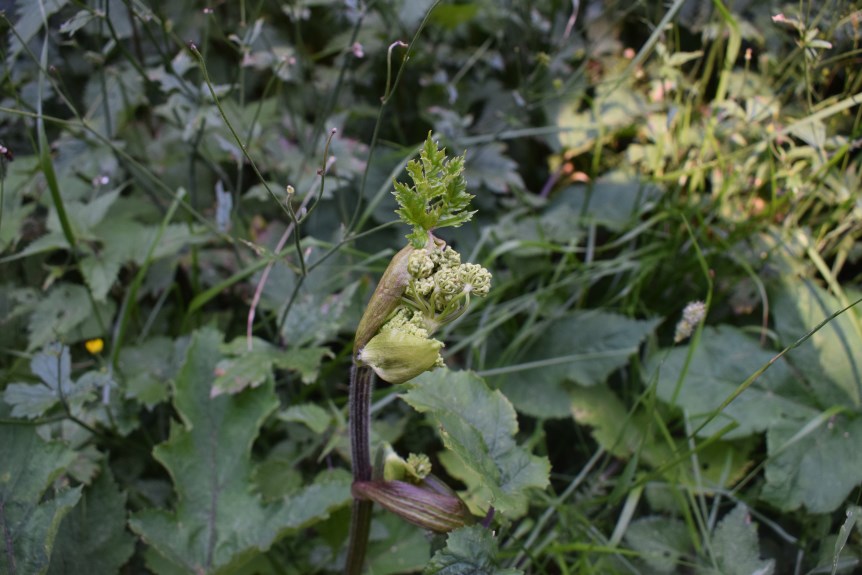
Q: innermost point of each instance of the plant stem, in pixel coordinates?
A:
(360, 451)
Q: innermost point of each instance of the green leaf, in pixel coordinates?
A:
(584, 347)
(311, 415)
(438, 197)
(478, 425)
(818, 470)
(469, 551)
(53, 367)
(218, 524)
(661, 542)
(147, 368)
(622, 434)
(100, 270)
(830, 359)
(93, 537)
(404, 549)
(615, 201)
(31, 16)
(28, 520)
(725, 357)
(66, 307)
(736, 548)
(252, 368)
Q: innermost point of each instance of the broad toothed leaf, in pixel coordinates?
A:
(478, 425)
(218, 523)
(29, 521)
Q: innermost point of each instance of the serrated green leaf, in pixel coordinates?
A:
(736, 548)
(661, 541)
(84, 216)
(252, 368)
(28, 465)
(583, 347)
(64, 308)
(93, 537)
(724, 359)
(218, 524)
(147, 368)
(100, 271)
(818, 470)
(478, 425)
(831, 359)
(468, 551)
(53, 367)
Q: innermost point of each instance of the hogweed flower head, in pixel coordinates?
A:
(425, 286)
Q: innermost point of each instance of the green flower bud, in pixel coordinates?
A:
(475, 279)
(446, 258)
(420, 265)
(397, 355)
(423, 287)
(413, 470)
(448, 281)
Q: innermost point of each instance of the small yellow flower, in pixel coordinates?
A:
(95, 346)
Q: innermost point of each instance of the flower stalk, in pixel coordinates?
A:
(425, 286)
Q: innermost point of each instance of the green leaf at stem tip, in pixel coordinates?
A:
(218, 524)
(438, 197)
(478, 425)
(468, 551)
(30, 521)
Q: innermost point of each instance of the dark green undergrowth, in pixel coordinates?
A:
(196, 204)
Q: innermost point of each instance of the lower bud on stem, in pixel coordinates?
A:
(427, 506)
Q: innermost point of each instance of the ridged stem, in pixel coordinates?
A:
(360, 451)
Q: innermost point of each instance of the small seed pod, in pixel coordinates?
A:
(397, 356)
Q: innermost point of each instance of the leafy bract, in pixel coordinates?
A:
(583, 347)
(28, 520)
(218, 524)
(478, 425)
(93, 537)
(438, 197)
(469, 551)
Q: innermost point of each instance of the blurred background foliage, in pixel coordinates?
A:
(626, 157)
